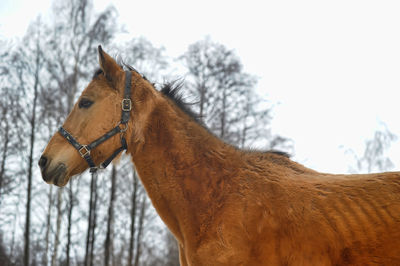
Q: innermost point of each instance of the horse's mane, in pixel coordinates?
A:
(172, 90)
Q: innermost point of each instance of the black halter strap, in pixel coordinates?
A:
(122, 126)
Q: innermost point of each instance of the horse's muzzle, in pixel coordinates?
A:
(53, 174)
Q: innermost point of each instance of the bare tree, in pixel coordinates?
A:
(4, 258)
(374, 158)
(133, 217)
(71, 204)
(90, 237)
(10, 116)
(149, 60)
(54, 257)
(227, 102)
(108, 246)
(29, 63)
(172, 252)
(139, 239)
(48, 225)
(74, 36)
(73, 201)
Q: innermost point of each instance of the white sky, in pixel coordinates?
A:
(332, 67)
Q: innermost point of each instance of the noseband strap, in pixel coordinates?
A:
(84, 150)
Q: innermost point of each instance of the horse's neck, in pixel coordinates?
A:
(180, 165)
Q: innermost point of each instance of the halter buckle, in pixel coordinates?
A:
(122, 128)
(126, 105)
(83, 151)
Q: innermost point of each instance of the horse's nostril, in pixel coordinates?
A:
(42, 162)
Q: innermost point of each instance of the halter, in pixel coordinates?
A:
(122, 126)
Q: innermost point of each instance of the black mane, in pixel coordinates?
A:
(172, 90)
(280, 153)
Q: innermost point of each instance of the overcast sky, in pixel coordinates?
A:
(332, 68)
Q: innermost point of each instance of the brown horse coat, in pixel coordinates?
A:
(226, 206)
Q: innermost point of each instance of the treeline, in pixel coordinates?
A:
(108, 219)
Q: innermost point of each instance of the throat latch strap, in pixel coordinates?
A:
(84, 150)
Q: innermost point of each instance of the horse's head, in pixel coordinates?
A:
(97, 111)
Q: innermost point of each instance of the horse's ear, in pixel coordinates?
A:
(110, 68)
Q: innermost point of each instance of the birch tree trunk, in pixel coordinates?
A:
(140, 230)
(133, 218)
(4, 157)
(90, 239)
(32, 124)
(58, 227)
(70, 208)
(108, 245)
(48, 225)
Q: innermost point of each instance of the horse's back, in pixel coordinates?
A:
(359, 215)
(306, 219)
(320, 219)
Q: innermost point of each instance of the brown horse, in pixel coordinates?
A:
(226, 206)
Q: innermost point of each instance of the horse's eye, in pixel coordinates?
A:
(85, 103)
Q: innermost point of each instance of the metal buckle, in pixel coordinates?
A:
(83, 151)
(126, 105)
(122, 128)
